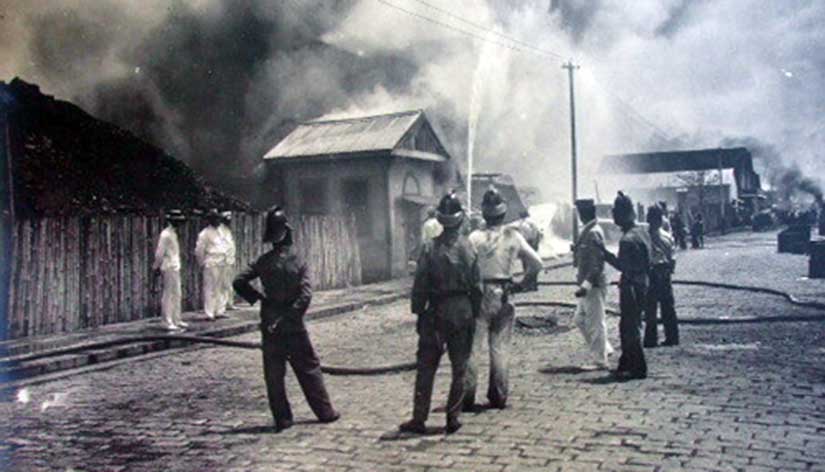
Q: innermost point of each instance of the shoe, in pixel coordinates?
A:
(281, 425)
(183, 324)
(413, 426)
(471, 408)
(650, 344)
(173, 328)
(330, 419)
(670, 343)
(453, 425)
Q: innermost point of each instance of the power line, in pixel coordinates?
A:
(466, 32)
(633, 112)
(490, 30)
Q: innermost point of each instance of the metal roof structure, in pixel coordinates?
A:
(359, 136)
(739, 159)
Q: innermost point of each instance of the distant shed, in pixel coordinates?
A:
(385, 169)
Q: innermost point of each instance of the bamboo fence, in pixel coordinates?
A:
(73, 273)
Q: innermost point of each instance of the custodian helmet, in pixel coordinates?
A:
(450, 213)
(276, 228)
(492, 204)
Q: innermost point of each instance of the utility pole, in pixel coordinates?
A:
(570, 69)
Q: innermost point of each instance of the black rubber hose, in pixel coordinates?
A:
(388, 369)
(698, 283)
(331, 370)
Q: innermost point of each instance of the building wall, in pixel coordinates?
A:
(319, 186)
(409, 172)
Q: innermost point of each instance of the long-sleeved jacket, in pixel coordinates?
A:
(661, 248)
(211, 248)
(588, 257)
(286, 286)
(634, 257)
(447, 266)
(229, 242)
(167, 254)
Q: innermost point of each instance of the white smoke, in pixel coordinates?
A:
(697, 71)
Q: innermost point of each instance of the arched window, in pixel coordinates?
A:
(411, 185)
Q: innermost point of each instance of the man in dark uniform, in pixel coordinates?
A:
(286, 297)
(660, 292)
(633, 262)
(446, 297)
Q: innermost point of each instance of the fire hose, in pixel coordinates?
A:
(408, 366)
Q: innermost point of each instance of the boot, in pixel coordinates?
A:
(413, 426)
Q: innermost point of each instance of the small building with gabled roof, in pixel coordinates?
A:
(384, 169)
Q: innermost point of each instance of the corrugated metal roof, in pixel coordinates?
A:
(346, 136)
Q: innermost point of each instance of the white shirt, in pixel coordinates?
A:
(431, 229)
(211, 248)
(498, 248)
(167, 254)
(229, 241)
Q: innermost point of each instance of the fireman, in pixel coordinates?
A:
(286, 297)
(446, 297)
(633, 261)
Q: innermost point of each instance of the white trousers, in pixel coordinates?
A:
(227, 293)
(590, 319)
(170, 300)
(212, 293)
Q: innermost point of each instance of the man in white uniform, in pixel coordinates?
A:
(167, 266)
(211, 252)
(498, 247)
(228, 265)
(589, 261)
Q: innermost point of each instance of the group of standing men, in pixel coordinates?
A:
(215, 253)
(460, 293)
(645, 260)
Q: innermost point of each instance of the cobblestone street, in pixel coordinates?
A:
(738, 396)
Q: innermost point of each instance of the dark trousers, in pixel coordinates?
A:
(631, 300)
(295, 348)
(451, 324)
(530, 284)
(660, 293)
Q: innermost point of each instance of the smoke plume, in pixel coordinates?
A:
(218, 82)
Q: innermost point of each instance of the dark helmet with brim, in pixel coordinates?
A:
(450, 213)
(493, 204)
(276, 228)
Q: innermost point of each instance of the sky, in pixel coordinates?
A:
(218, 82)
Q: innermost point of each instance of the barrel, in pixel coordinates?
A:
(816, 262)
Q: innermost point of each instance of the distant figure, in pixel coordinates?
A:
(211, 250)
(497, 246)
(431, 228)
(665, 218)
(167, 265)
(228, 264)
(532, 234)
(588, 259)
(660, 293)
(446, 297)
(633, 261)
(679, 230)
(697, 232)
(286, 295)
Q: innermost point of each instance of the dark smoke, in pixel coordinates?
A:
(786, 179)
(214, 91)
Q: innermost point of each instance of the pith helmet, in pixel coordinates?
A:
(276, 228)
(492, 204)
(654, 213)
(174, 215)
(450, 213)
